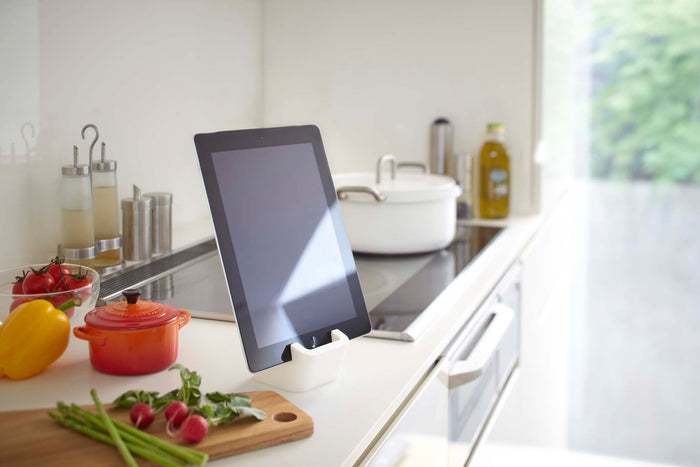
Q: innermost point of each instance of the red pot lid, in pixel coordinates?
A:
(132, 315)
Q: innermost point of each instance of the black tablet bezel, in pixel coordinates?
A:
(260, 358)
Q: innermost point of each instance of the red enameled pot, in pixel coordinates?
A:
(133, 337)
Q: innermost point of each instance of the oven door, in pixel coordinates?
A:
(478, 371)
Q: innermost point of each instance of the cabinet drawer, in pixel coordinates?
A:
(469, 408)
(418, 435)
(477, 373)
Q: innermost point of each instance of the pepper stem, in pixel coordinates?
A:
(73, 301)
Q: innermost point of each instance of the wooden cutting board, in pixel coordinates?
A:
(30, 437)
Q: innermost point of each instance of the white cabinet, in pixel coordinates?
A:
(443, 420)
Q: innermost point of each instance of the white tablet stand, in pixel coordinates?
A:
(308, 368)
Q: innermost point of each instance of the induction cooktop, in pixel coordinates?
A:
(397, 288)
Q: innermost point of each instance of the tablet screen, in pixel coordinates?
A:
(284, 240)
(288, 263)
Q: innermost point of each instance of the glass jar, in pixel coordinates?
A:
(106, 211)
(78, 232)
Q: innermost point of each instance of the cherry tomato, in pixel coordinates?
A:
(60, 299)
(19, 301)
(60, 286)
(72, 283)
(17, 288)
(57, 270)
(36, 283)
(76, 281)
(17, 284)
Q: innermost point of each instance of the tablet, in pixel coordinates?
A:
(287, 259)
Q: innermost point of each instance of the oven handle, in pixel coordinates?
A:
(465, 371)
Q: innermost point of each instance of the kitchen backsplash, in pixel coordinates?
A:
(148, 74)
(371, 75)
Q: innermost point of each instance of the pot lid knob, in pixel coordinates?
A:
(132, 296)
(132, 314)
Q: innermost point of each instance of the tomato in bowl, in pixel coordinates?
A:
(56, 282)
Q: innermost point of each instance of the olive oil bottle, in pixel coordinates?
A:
(494, 174)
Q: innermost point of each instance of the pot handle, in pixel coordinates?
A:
(344, 190)
(184, 318)
(416, 165)
(83, 332)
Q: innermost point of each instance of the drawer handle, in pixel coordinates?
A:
(465, 371)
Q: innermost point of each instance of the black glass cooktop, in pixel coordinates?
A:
(397, 288)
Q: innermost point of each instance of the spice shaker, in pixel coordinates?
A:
(161, 222)
(106, 211)
(441, 138)
(78, 232)
(136, 226)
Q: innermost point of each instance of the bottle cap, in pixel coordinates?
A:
(104, 165)
(496, 128)
(75, 169)
(160, 198)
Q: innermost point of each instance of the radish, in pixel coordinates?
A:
(142, 415)
(194, 428)
(176, 412)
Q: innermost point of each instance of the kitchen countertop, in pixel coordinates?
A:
(349, 413)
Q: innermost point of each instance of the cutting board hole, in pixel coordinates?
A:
(284, 417)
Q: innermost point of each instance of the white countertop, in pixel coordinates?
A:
(348, 413)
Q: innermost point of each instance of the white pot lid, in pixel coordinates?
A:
(405, 188)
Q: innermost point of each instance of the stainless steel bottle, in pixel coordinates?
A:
(441, 142)
(461, 171)
(161, 222)
(136, 227)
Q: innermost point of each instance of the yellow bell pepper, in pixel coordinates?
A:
(32, 338)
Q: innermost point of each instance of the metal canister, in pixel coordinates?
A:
(461, 171)
(136, 227)
(441, 141)
(161, 222)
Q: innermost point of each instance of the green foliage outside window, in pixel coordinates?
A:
(646, 105)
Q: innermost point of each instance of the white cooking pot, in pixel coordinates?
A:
(401, 213)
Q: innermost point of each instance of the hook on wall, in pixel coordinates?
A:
(94, 141)
(28, 149)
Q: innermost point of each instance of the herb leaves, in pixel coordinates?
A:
(218, 408)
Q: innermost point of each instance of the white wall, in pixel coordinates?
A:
(373, 75)
(19, 104)
(149, 74)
